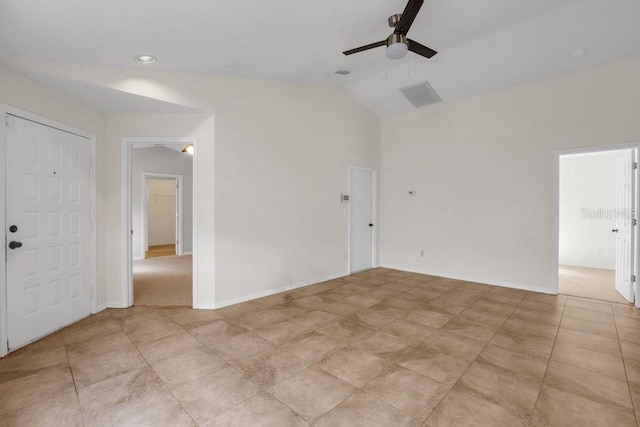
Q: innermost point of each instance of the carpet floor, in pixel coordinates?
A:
(163, 281)
(588, 283)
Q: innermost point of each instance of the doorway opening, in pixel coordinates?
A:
(162, 214)
(596, 221)
(160, 217)
(362, 218)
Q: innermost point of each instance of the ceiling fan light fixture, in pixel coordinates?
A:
(397, 46)
(188, 149)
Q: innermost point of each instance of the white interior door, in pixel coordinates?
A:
(624, 225)
(48, 229)
(361, 217)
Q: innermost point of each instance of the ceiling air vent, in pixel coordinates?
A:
(421, 94)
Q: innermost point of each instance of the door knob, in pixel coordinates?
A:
(15, 245)
(614, 230)
(370, 225)
(13, 228)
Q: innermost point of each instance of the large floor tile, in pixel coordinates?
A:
(168, 346)
(346, 330)
(364, 410)
(433, 363)
(269, 368)
(188, 366)
(135, 398)
(528, 367)
(590, 360)
(589, 341)
(313, 346)
(558, 408)
(523, 343)
(461, 409)
(456, 345)
(260, 410)
(91, 365)
(408, 391)
(512, 393)
(353, 365)
(215, 393)
(312, 393)
(599, 388)
(63, 409)
(34, 388)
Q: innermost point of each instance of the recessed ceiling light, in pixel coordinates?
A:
(145, 59)
(343, 72)
(577, 53)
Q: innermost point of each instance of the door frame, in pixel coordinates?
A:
(374, 216)
(4, 110)
(635, 262)
(127, 145)
(145, 208)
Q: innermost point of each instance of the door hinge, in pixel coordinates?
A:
(634, 165)
(633, 278)
(8, 120)
(634, 221)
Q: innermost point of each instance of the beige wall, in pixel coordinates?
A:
(482, 169)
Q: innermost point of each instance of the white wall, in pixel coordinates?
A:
(119, 126)
(20, 92)
(482, 169)
(160, 160)
(587, 182)
(281, 161)
(161, 212)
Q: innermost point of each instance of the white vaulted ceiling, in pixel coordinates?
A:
(483, 45)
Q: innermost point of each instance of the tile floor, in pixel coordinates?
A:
(382, 347)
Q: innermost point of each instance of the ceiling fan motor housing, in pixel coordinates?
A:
(393, 19)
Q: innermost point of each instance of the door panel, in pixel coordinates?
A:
(625, 233)
(361, 216)
(48, 277)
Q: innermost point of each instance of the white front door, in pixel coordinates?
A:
(361, 226)
(624, 224)
(47, 229)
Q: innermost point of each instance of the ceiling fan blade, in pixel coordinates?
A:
(366, 47)
(409, 14)
(420, 49)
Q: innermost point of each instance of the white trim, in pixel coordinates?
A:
(374, 217)
(556, 205)
(269, 292)
(145, 208)
(6, 109)
(140, 142)
(518, 286)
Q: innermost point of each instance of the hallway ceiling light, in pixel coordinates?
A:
(145, 59)
(188, 149)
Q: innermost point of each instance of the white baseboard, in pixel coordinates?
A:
(269, 292)
(138, 258)
(101, 308)
(205, 306)
(473, 279)
(117, 305)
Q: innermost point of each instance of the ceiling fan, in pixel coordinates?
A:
(397, 43)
